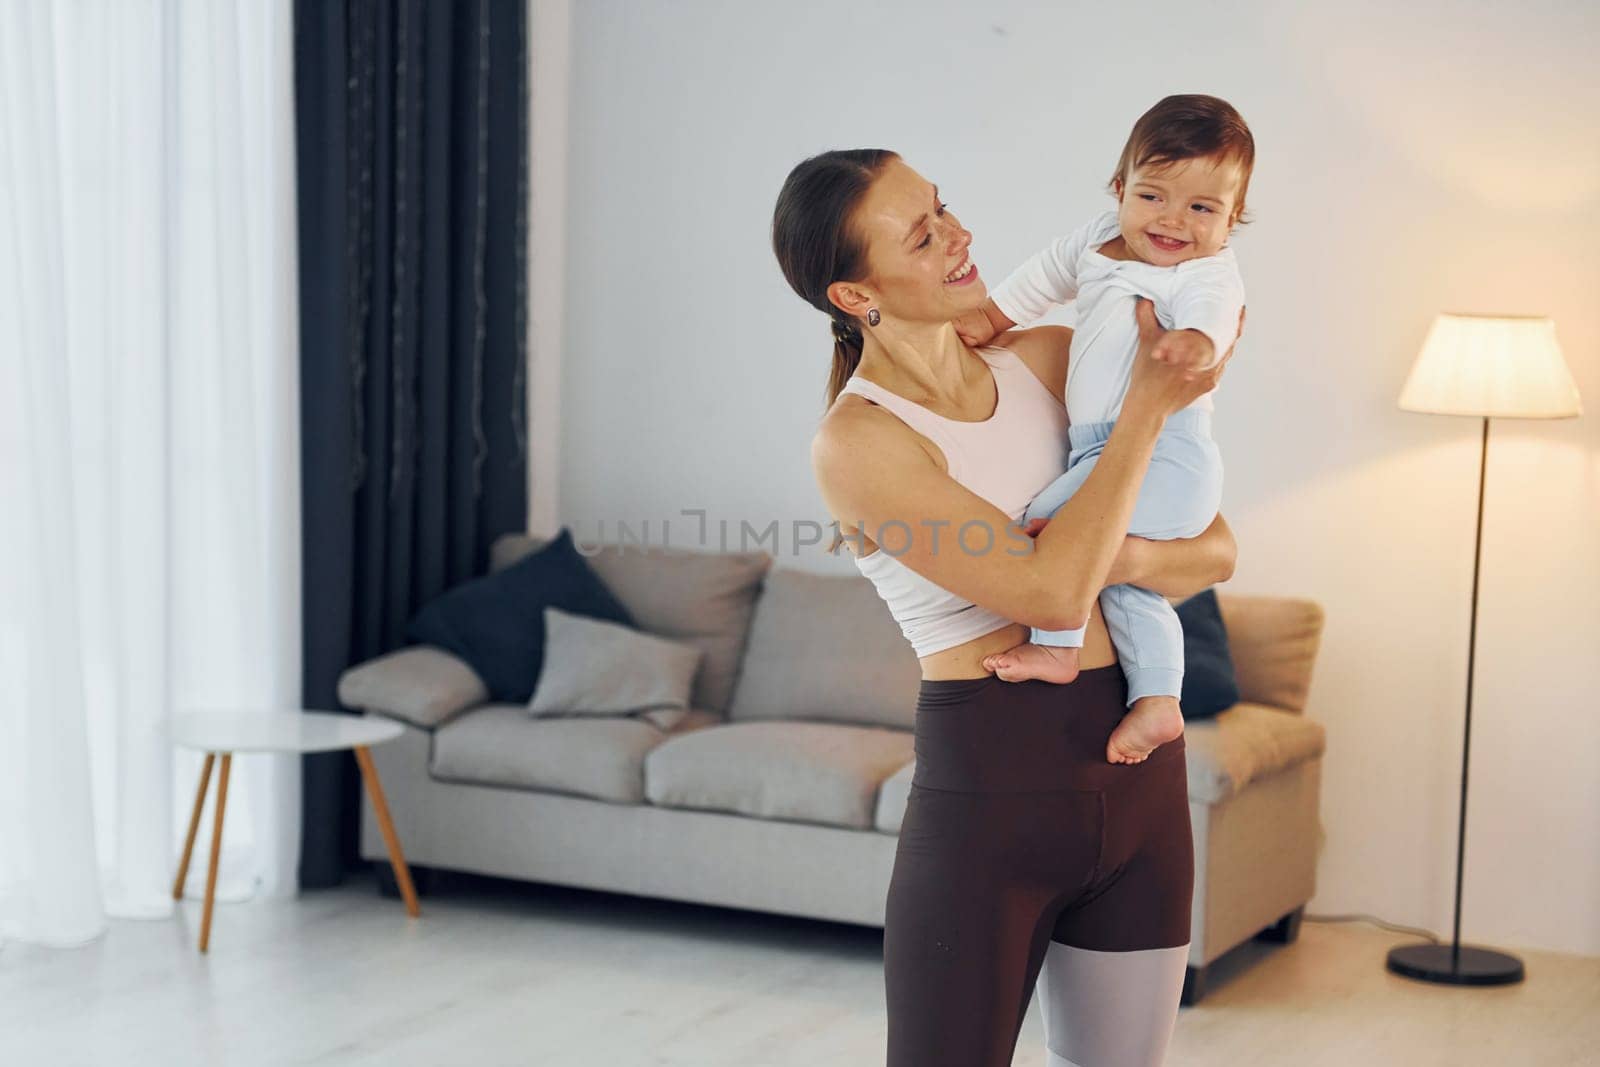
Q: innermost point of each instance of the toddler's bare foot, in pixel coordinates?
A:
(1150, 723)
(1047, 663)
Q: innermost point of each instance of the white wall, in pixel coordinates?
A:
(549, 81)
(1439, 158)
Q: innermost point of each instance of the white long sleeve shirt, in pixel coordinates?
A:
(1202, 294)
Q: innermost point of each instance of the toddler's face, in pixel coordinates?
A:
(1172, 212)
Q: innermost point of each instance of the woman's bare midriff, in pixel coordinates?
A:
(966, 660)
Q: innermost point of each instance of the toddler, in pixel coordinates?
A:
(1180, 188)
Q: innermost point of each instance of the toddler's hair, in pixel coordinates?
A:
(1190, 126)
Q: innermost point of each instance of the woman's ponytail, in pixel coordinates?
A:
(847, 344)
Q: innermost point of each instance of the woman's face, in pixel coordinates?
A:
(916, 250)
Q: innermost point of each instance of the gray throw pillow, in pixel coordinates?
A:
(596, 667)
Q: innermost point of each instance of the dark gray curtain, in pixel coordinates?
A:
(411, 131)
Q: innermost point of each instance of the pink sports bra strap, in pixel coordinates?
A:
(912, 414)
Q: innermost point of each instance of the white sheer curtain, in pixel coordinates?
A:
(149, 456)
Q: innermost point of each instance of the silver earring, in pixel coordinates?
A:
(872, 316)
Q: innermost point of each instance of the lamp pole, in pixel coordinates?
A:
(1462, 964)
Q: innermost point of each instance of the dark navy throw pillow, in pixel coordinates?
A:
(496, 623)
(1209, 685)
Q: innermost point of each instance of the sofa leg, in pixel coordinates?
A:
(1194, 986)
(424, 879)
(1285, 930)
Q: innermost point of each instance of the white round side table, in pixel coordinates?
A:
(224, 733)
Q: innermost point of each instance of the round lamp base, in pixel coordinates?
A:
(1442, 964)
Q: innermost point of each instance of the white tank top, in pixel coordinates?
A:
(1006, 459)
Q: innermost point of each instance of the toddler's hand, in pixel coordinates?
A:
(974, 328)
(1159, 386)
(1185, 348)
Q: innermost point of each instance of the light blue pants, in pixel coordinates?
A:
(1181, 495)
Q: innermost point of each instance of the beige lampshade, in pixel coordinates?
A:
(1500, 365)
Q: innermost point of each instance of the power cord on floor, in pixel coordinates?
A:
(1375, 921)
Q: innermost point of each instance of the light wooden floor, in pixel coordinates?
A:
(495, 973)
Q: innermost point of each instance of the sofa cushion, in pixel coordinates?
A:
(1274, 642)
(500, 745)
(701, 598)
(496, 622)
(808, 771)
(421, 685)
(1209, 682)
(597, 668)
(1246, 742)
(892, 797)
(824, 647)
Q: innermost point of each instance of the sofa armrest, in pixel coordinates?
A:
(422, 685)
(1274, 642)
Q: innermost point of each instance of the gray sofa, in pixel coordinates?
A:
(783, 789)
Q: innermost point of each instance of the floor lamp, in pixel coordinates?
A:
(1486, 366)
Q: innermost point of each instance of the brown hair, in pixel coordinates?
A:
(817, 245)
(1191, 126)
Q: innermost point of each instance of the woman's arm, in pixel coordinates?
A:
(876, 476)
(1178, 568)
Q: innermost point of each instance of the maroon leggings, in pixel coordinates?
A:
(1017, 833)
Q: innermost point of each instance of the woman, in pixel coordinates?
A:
(1021, 848)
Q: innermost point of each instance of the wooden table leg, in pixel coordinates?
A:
(194, 826)
(402, 873)
(216, 851)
